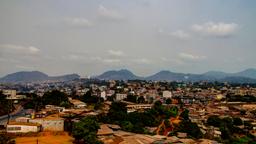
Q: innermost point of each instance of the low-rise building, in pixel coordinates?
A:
(22, 127)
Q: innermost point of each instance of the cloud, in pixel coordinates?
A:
(180, 34)
(116, 53)
(109, 13)
(111, 61)
(142, 61)
(216, 29)
(10, 48)
(79, 22)
(187, 56)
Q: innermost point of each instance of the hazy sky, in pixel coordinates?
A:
(89, 37)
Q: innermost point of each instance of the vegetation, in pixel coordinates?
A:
(5, 139)
(138, 121)
(5, 105)
(228, 128)
(55, 97)
(86, 130)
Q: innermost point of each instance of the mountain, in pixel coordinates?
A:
(171, 76)
(237, 79)
(118, 75)
(216, 74)
(246, 76)
(168, 76)
(249, 73)
(67, 77)
(34, 76)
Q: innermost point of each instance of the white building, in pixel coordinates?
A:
(19, 127)
(167, 94)
(103, 95)
(49, 123)
(120, 97)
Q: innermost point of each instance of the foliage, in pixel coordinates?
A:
(5, 139)
(54, 97)
(141, 99)
(168, 101)
(117, 112)
(4, 104)
(89, 98)
(131, 98)
(190, 128)
(237, 121)
(86, 130)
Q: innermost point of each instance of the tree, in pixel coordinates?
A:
(141, 99)
(4, 104)
(131, 98)
(185, 114)
(168, 101)
(214, 121)
(54, 97)
(237, 121)
(117, 112)
(5, 139)
(86, 131)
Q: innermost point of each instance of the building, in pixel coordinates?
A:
(167, 94)
(22, 127)
(120, 97)
(50, 123)
(77, 103)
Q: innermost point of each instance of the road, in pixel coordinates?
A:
(17, 113)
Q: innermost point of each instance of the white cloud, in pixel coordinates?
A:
(10, 48)
(180, 34)
(142, 61)
(116, 53)
(187, 56)
(111, 61)
(216, 29)
(109, 13)
(79, 22)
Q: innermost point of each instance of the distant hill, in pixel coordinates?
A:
(168, 76)
(246, 76)
(118, 75)
(34, 76)
(249, 73)
(216, 74)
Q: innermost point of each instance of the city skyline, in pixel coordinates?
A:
(144, 36)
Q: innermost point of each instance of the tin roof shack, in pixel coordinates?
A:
(50, 123)
(22, 127)
(77, 104)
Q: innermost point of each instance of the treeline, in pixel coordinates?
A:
(230, 131)
(138, 122)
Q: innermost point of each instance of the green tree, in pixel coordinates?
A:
(117, 112)
(54, 97)
(4, 104)
(141, 99)
(214, 121)
(131, 98)
(237, 121)
(86, 131)
(168, 101)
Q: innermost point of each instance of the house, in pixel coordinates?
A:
(22, 127)
(77, 103)
(120, 97)
(50, 123)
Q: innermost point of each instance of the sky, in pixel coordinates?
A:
(89, 37)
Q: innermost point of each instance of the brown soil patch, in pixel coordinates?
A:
(46, 138)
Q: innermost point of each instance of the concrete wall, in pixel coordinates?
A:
(22, 128)
(50, 125)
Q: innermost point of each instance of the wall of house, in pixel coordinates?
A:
(22, 128)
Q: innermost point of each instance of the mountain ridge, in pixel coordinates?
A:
(35, 76)
(248, 75)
